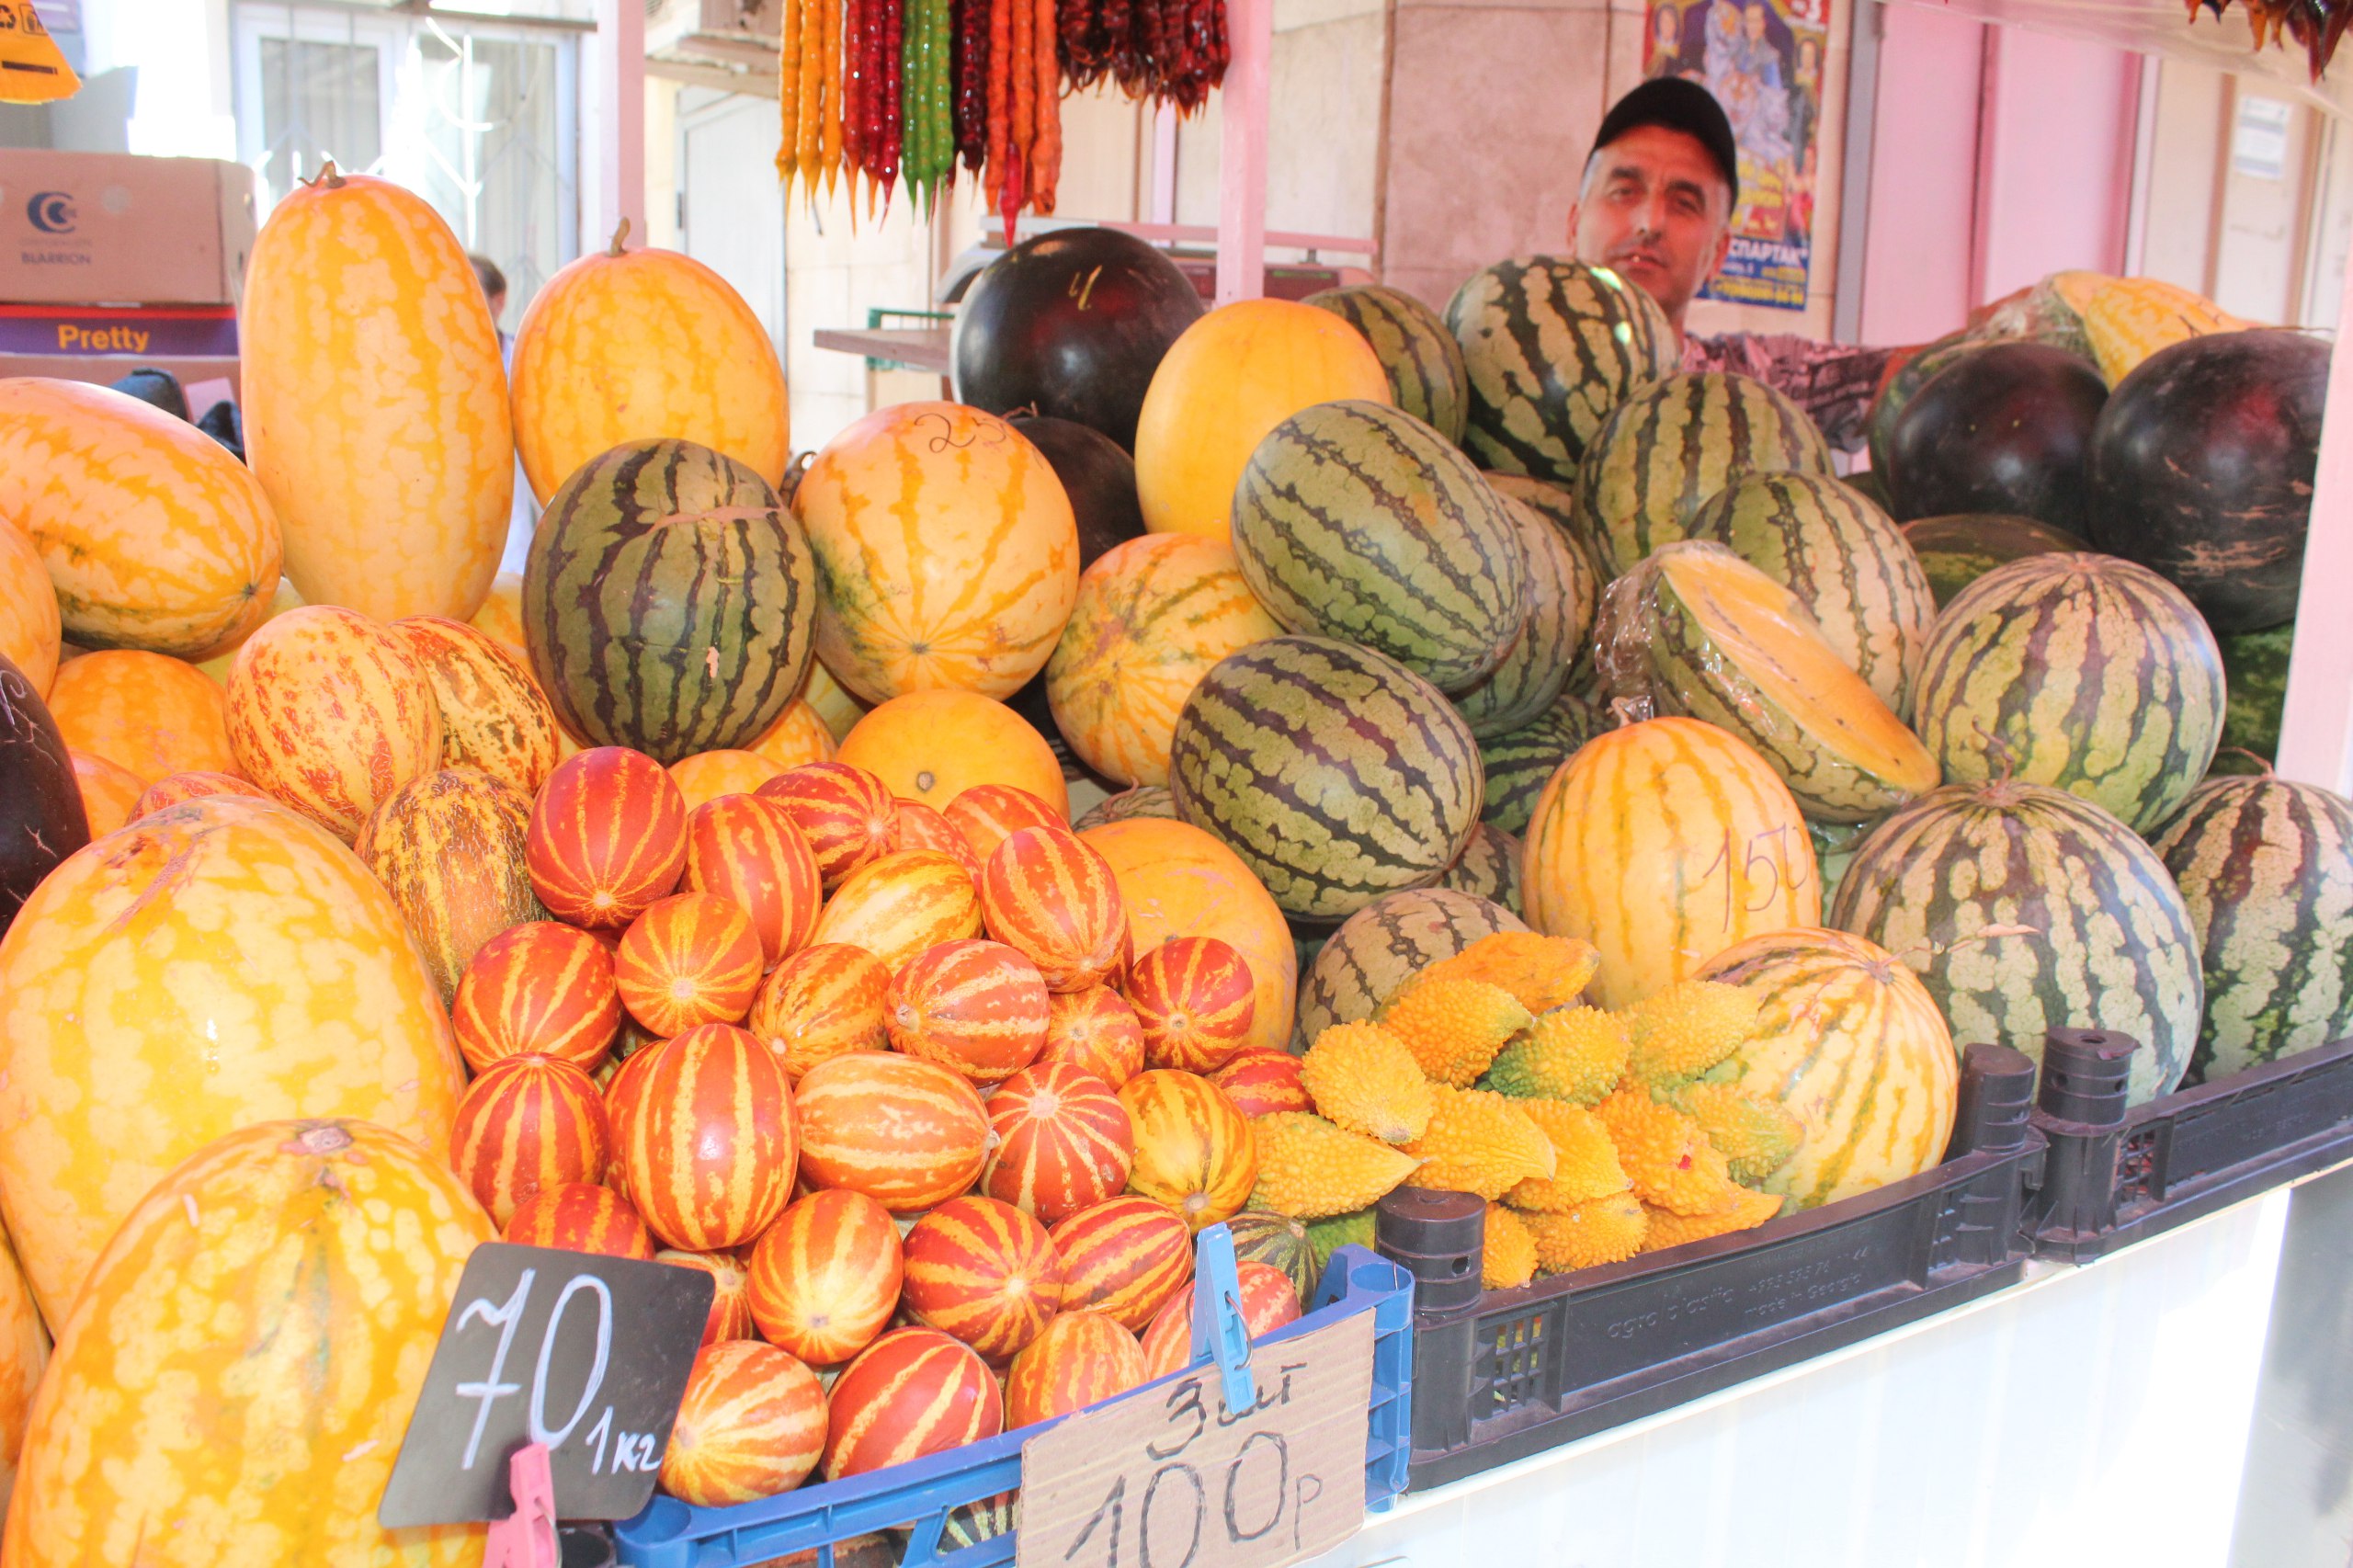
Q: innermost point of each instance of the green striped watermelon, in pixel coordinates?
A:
(1520, 764)
(1335, 773)
(1488, 868)
(1667, 449)
(1958, 549)
(1703, 634)
(1144, 801)
(1564, 598)
(1557, 506)
(2079, 670)
(1261, 1235)
(2255, 671)
(1551, 347)
(2267, 869)
(1834, 844)
(1381, 946)
(1358, 521)
(1843, 558)
(2025, 908)
(1426, 377)
(669, 602)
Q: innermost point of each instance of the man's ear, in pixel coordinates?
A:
(1723, 248)
(1571, 236)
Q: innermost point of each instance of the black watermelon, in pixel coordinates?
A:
(2003, 428)
(1097, 475)
(41, 820)
(1071, 324)
(2202, 466)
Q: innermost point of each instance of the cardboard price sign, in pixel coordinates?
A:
(1173, 1479)
(586, 1353)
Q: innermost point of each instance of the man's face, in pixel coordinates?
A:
(1655, 209)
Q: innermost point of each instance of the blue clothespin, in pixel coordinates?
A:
(1217, 1329)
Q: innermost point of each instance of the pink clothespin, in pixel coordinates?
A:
(525, 1538)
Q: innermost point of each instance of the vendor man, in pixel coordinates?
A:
(1656, 207)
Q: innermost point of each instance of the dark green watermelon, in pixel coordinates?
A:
(41, 820)
(670, 601)
(1356, 520)
(2203, 466)
(1488, 868)
(1551, 347)
(1335, 773)
(1956, 550)
(1887, 405)
(2255, 667)
(2266, 867)
(2005, 428)
(1097, 475)
(1426, 377)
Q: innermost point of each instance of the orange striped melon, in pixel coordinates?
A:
(799, 734)
(1268, 1302)
(528, 1124)
(985, 1272)
(1050, 895)
(705, 1141)
(825, 1277)
(1153, 615)
(844, 813)
(971, 600)
(824, 1001)
(707, 775)
(1663, 844)
(290, 1266)
(577, 1217)
(329, 712)
(31, 629)
(109, 791)
(691, 959)
(1177, 880)
(151, 715)
(375, 404)
(450, 849)
(628, 344)
(731, 1294)
(1195, 1000)
(175, 787)
(537, 989)
(1123, 1257)
(608, 837)
(752, 1424)
(115, 980)
(988, 814)
(493, 715)
(901, 904)
(1261, 1081)
(907, 1133)
(746, 850)
(917, 826)
(977, 1009)
(912, 1393)
(1062, 1142)
(1096, 1031)
(154, 536)
(1195, 1153)
(933, 745)
(1079, 1359)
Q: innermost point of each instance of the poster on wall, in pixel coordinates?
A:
(1762, 60)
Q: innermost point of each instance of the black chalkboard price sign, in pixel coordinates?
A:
(584, 1353)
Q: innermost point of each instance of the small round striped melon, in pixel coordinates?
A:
(1379, 947)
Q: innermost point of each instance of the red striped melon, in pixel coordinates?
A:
(329, 712)
(747, 851)
(1123, 1257)
(901, 904)
(912, 1393)
(824, 1001)
(705, 1138)
(580, 1218)
(528, 1124)
(978, 1008)
(985, 1272)
(907, 1133)
(731, 1293)
(1260, 1082)
(1096, 1031)
(1268, 1302)
(843, 811)
(691, 959)
(825, 1277)
(1062, 1142)
(1194, 1151)
(608, 836)
(918, 827)
(539, 988)
(1080, 1358)
(752, 1425)
(175, 787)
(988, 814)
(1195, 1000)
(1050, 894)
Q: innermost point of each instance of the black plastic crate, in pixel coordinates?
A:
(2117, 1176)
(1502, 1374)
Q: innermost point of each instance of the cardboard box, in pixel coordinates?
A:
(114, 228)
(206, 377)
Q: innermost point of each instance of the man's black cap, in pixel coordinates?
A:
(1679, 105)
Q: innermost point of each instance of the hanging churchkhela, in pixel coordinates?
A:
(908, 88)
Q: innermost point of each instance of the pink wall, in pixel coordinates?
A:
(1998, 156)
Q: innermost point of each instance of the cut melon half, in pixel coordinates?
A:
(1722, 641)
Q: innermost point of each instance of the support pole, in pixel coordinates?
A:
(1242, 159)
(2316, 731)
(620, 74)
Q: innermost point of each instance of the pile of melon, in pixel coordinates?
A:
(923, 886)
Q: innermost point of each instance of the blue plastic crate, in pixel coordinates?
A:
(921, 1495)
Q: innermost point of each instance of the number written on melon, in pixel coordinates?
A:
(1755, 874)
(583, 1353)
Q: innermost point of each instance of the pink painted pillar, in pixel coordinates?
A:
(1242, 154)
(2316, 731)
(619, 149)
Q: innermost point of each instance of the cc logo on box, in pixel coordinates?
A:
(51, 212)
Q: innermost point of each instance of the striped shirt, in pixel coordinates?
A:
(1832, 382)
